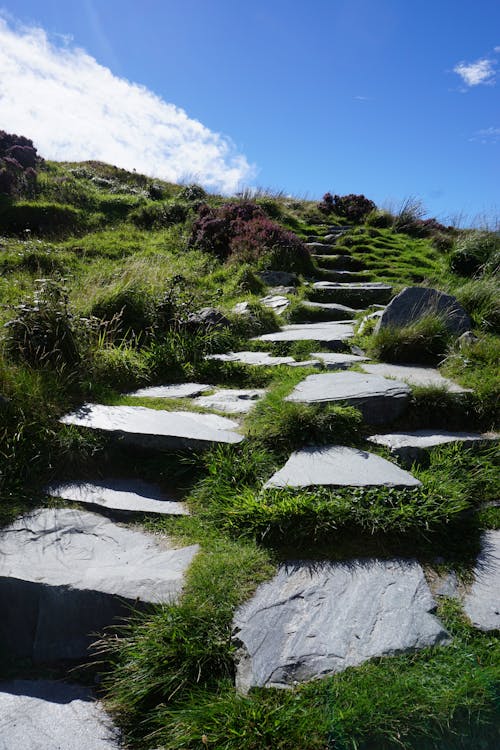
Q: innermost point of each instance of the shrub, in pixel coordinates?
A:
(192, 194)
(475, 250)
(379, 219)
(48, 219)
(214, 228)
(159, 215)
(351, 207)
(18, 162)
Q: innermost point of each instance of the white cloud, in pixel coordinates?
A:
(487, 135)
(480, 72)
(75, 109)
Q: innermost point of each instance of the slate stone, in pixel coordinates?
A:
(177, 390)
(153, 428)
(333, 310)
(337, 274)
(482, 603)
(208, 317)
(380, 400)
(262, 359)
(66, 574)
(332, 333)
(124, 495)
(318, 618)
(276, 302)
(231, 400)
(415, 375)
(353, 294)
(414, 302)
(278, 278)
(49, 715)
(365, 322)
(338, 360)
(339, 466)
(410, 446)
(242, 308)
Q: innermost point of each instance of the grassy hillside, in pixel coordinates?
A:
(100, 270)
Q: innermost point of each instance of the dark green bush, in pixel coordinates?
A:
(49, 219)
(159, 215)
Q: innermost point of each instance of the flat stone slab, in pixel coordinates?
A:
(338, 360)
(354, 294)
(482, 603)
(231, 400)
(328, 332)
(380, 400)
(317, 618)
(49, 715)
(66, 574)
(177, 390)
(332, 309)
(153, 428)
(339, 466)
(409, 446)
(134, 496)
(276, 302)
(415, 375)
(262, 359)
(414, 302)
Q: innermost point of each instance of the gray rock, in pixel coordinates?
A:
(332, 333)
(276, 302)
(48, 715)
(338, 274)
(177, 390)
(482, 603)
(278, 278)
(318, 618)
(339, 466)
(365, 322)
(334, 311)
(124, 495)
(208, 317)
(466, 339)
(261, 359)
(282, 290)
(415, 375)
(447, 585)
(379, 400)
(242, 308)
(153, 428)
(338, 360)
(410, 446)
(232, 401)
(414, 302)
(353, 294)
(66, 574)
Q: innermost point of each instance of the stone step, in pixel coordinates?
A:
(316, 618)
(411, 446)
(50, 715)
(338, 262)
(262, 359)
(338, 360)
(339, 466)
(482, 601)
(330, 310)
(231, 400)
(153, 428)
(122, 495)
(322, 248)
(380, 400)
(331, 333)
(67, 574)
(415, 375)
(174, 390)
(277, 302)
(335, 274)
(355, 295)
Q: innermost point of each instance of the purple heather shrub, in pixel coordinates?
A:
(18, 161)
(24, 155)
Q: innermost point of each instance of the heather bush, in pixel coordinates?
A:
(18, 162)
(353, 208)
(215, 228)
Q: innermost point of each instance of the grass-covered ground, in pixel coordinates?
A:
(99, 274)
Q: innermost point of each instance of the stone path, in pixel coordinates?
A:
(231, 400)
(67, 574)
(415, 375)
(331, 333)
(409, 446)
(332, 310)
(482, 602)
(352, 294)
(317, 618)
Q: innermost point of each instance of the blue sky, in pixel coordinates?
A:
(387, 98)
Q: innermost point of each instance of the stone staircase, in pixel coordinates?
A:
(65, 574)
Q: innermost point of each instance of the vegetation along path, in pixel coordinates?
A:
(249, 469)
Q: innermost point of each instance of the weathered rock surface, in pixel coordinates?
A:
(152, 428)
(208, 317)
(278, 278)
(263, 359)
(414, 302)
(331, 333)
(409, 446)
(339, 466)
(176, 390)
(338, 360)
(367, 320)
(482, 603)
(231, 400)
(276, 302)
(317, 618)
(123, 495)
(355, 295)
(66, 574)
(333, 310)
(414, 375)
(379, 400)
(48, 715)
